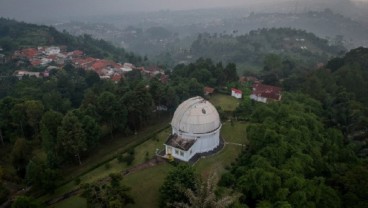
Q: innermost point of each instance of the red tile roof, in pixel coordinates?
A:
(266, 91)
(36, 62)
(77, 53)
(116, 77)
(29, 52)
(236, 91)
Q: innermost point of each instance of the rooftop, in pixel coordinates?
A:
(178, 142)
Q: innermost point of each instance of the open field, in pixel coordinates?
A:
(218, 162)
(145, 185)
(227, 102)
(74, 201)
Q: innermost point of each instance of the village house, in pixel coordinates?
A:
(236, 93)
(265, 93)
(21, 73)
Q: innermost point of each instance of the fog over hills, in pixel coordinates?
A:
(46, 10)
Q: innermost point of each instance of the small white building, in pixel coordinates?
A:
(195, 129)
(52, 50)
(236, 93)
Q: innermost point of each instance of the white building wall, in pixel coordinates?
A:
(178, 153)
(204, 143)
(237, 95)
(258, 98)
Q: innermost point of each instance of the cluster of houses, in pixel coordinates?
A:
(56, 57)
(260, 92)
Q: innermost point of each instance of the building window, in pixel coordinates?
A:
(176, 152)
(181, 153)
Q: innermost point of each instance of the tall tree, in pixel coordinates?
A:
(71, 138)
(176, 182)
(204, 196)
(114, 194)
(20, 156)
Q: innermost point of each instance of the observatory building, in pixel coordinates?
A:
(195, 129)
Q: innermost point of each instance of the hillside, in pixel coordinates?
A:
(15, 35)
(251, 49)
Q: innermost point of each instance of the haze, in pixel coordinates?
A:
(33, 10)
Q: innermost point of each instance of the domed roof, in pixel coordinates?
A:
(196, 115)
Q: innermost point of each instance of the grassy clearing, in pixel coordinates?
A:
(145, 185)
(74, 201)
(217, 163)
(227, 102)
(235, 133)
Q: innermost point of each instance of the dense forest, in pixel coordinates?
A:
(309, 150)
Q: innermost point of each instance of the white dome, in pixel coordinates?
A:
(196, 116)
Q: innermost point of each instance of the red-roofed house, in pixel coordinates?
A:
(116, 77)
(77, 53)
(36, 62)
(236, 93)
(29, 52)
(265, 93)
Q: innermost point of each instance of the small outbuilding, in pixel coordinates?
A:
(236, 93)
(195, 129)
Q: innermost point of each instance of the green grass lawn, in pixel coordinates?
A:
(218, 162)
(145, 185)
(227, 102)
(72, 202)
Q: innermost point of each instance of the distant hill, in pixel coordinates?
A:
(250, 49)
(15, 35)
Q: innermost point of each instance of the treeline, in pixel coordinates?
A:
(342, 88)
(250, 49)
(310, 149)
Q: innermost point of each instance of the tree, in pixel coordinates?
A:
(204, 196)
(71, 138)
(19, 118)
(41, 176)
(139, 105)
(110, 112)
(49, 124)
(179, 179)
(230, 73)
(20, 156)
(25, 202)
(4, 193)
(113, 195)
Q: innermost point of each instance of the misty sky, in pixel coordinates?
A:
(37, 9)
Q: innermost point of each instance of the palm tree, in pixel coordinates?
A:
(204, 196)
